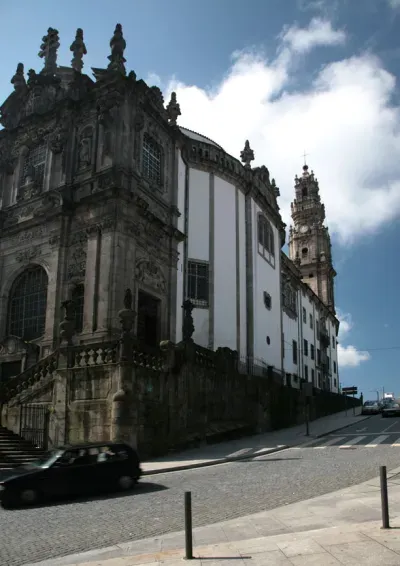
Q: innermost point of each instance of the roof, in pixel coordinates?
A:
(199, 137)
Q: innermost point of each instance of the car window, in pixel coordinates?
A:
(113, 454)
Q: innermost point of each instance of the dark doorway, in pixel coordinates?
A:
(148, 319)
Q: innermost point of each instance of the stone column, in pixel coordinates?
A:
(106, 254)
(91, 280)
(124, 410)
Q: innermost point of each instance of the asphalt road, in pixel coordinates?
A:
(219, 493)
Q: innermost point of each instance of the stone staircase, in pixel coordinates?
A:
(15, 451)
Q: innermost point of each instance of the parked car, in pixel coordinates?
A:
(392, 408)
(71, 470)
(371, 408)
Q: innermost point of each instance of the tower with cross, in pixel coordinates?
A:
(309, 239)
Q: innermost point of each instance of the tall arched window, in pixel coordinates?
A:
(266, 241)
(34, 165)
(78, 296)
(27, 304)
(151, 160)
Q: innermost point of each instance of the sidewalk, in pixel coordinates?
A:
(251, 446)
(338, 528)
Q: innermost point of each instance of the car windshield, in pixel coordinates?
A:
(369, 403)
(46, 460)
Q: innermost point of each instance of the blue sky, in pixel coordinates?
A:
(289, 75)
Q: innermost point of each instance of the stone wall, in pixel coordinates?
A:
(178, 396)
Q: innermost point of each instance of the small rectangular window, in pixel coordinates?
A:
(304, 316)
(311, 321)
(333, 342)
(305, 347)
(319, 357)
(283, 345)
(334, 367)
(319, 379)
(294, 352)
(306, 373)
(267, 300)
(312, 351)
(317, 328)
(328, 363)
(198, 276)
(313, 377)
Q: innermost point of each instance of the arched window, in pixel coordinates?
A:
(78, 296)
(266, 241)
(34, 165)
(27, 304)
(151, 160)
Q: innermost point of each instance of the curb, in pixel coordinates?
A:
(216, 461)
(228, 459)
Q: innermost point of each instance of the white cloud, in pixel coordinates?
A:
(318, 33)
(348, 356)
(394, 3)
(342, 115)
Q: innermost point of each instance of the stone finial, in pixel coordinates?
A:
(276, 190)
(18, 79)
(67, 326)
(118, 45)
(48, 51)
(188, 326)
(173, 109)
(78, 49)
(247, 155)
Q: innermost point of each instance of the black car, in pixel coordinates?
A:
(71, 470)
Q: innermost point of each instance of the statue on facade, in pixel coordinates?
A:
(128, 299)
(173, 109)
(78, 49)
(32, 77)
(18, 79)
(48, 51)
(118, 45)
(84, 152)
(247, 155)
(188, 325)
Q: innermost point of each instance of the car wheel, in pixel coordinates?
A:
(28, 496)
(126, 482)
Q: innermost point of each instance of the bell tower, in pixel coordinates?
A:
(309, 240)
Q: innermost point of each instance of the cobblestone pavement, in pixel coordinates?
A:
(220, 492)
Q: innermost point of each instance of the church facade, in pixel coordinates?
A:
(101, 190)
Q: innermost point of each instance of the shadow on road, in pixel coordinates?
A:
(141, 489)
(257, 459)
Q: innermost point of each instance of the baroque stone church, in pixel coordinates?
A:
(101, 190)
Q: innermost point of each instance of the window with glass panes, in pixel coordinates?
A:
(198, 283)
(151, 160)
(266, 244)
(78, 297)
(27, 306)
(36, 158)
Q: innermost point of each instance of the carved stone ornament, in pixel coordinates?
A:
(59, 138)
(18, 79)
(118, 45)
(28, 254)
(7, 162)
(77, 263)
(188, 324)
(247, 155)
(78, 49)
(48, 51)
(67, 326)
(173, 109)
(148, 272)
(13, 345)
(85, 148)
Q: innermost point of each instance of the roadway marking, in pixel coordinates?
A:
(361, 429)
(377, 441)
(351, 442)
(397, 443)
(329, 443)
(390, 426)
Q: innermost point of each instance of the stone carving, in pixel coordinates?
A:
(188, 325)
(32, 78)
(28, 235)
(128, 298)
(7, 162)
(48, 51)
(157, 96)
(59, 138)
(247, 155)
(85, 148)
(77, 264)
(18, 79)
(118, 45)
(78, 49)
(150, 274)
(67, 326)
(173, 109)
(275, 188)
(29, 254)
(127, 319)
